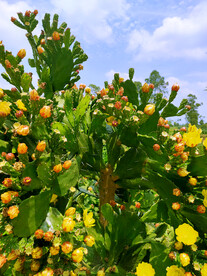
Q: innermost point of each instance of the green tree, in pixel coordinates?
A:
(160, 85)
(192, 116)
(94, 88)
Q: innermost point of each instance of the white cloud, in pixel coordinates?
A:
(176, 38)
(93, 19)
(110, 75)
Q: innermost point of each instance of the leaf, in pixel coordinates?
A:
(198, 166)
(129, 137)
(44, 173)
(130, 91)
(61, 68)
(3, 145)
(25, 82)
(32, 212)
(160, 252)
(157, 213)
(53, 221)
(67, 179)
(169, 111)
(82, 107)
(30, 171)
(131, 164)
(199, 220)
(150, 125)
(107, 212)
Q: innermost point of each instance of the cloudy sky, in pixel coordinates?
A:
(168, 36)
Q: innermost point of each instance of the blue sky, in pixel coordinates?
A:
(168, 36)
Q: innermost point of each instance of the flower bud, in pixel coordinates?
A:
(10, 156)
(27, 13)
(57, 168)
(67, 247)
(13, 212)
(54, 250)
(21, 54)
(149, 109)
(117, 105)
(34, 95)
(13, 255)
(183, 129)
(22, 148)
(184, 156)
(70, 211)
(68, 224)
(6, 197)
(112, 203)
(41, 146)
(56, 36)
(26, 181)
(19, 264)
(77, 255)
(178, 245)
(192, 181)
(45, 112)
(13, 19)
(88, 90)
(19, 113)
(151, 85)
(201, 209)
(89, 240)
(23, 130)
(1, 93)
(184, 259)
(35, 265)
(37, 253)
(7, 182)
(67, 164)
(188, 107)
(179, 147)
(48, 236)
(124, 98)
(40, 50)
(156, 147)
(80, 67)
(182, 172)
(175, 87)
(137, 204)
(145, 88)
(35, 12)
(176, 192)
(176, 206)
(39, 233)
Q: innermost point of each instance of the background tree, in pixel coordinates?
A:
(94, 88)
(192, 116)
(160, 85)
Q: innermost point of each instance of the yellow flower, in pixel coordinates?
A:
(89, 240)
(204, 193)
(4, 109)
(184, 259)
(192, 137)
(88, 219)
(204, 270)
(20, 105)
(205, 143)
(186, 234)
(173, 270)
(145, 269)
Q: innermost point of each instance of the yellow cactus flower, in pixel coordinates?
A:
(4, 109)
(186, 234)
(184, 259)
(204, 270)
(204, 193)
(192, 137)
(205, 143)
(174, 270)
(145, 269)
(88, 219)
(20, 105)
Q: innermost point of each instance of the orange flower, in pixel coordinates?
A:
(7, 182)
(45, 112)
(22, 148)
(23, 130)
(13, 212)
(48, 236)
(54, 250)
(39, 233)
(40, 50)
(67, 247)
(149, 109)
(89, 240)
(67, 164)
(192, 181)
(56, 36)
(6, 197)
(70, 211)
(41, 146)
(34, 95)
(145, 88)
(57, 168)
(176, 206)
(176, 192)
(21, 54)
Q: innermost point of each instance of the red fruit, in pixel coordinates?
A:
(9, 156)
(188, 107)
(124, 98)
(156, 147)
(35, 12)
(3, 154)
(7, 182)
(176, 206)
(26, 180)
(13, 89)
(117, 105)
(151, 85)
(201, 209)
(48, 236)
(39, 233)
(77, 71)
(183, 129)
(27, 13)
(13, 19)
(167, 126)
(113, 203)
(122, 207)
